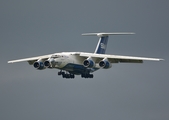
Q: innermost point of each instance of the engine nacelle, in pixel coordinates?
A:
(39, 65)
(105, 64)
(49, 63)
(89, 63)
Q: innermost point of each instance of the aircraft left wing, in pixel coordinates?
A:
(31, 60)
(118, 58)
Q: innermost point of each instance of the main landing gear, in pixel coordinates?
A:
(69, 75)
(66, 75)
(87, 75)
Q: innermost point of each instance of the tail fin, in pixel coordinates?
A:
(103, 40)
(101, 45)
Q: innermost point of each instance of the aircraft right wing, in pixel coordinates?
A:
(119, 58)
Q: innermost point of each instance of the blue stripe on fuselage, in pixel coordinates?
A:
(78, 69)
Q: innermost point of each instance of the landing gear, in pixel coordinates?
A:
(66, 75)
(61, 73)
(87, 75)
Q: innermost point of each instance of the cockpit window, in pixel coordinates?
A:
(55, 56)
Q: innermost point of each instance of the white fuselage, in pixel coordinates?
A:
(72, 62)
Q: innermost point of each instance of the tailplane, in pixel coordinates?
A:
(103, 40)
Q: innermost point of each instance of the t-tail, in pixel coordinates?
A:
(103, 40)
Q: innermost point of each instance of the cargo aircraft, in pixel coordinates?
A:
(82, 63)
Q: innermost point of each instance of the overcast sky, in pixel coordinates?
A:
(124, 92)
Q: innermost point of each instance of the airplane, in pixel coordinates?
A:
(83, 63)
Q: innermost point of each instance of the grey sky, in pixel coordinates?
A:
(124, 92)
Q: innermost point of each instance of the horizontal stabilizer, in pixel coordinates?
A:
(107, 34)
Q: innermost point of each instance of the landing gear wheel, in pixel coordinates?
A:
(63, 75)
(90, 75)
(72, 76)
(60, 73)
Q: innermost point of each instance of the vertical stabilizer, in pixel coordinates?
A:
(101, 45)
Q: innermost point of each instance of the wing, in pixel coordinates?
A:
(31, 60)
(118, 58)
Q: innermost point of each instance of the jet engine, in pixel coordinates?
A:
(49, 63)
(39, 65)
(89, 63)
(105, 64)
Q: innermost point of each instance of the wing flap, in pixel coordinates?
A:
(129, 61)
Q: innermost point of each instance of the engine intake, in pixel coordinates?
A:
(89, 63)
(49, 63)
(39, 65)
(105, 64)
